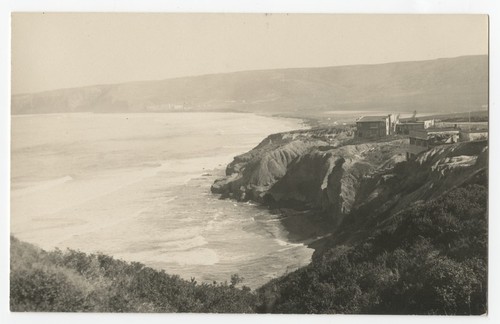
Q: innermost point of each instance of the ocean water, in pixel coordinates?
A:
(137, 186)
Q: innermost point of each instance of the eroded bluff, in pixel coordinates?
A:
(319, 169)
(329, 171)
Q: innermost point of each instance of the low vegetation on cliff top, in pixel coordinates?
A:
(73, 281)
(431, 258)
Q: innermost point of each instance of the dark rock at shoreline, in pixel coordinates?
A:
(316, 169)
(342, 180)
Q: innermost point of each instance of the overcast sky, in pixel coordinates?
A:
(51, 51)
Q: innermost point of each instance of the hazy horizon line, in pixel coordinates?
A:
(233, 72)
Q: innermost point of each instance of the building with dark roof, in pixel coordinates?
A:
(424, 139)
(374, 126)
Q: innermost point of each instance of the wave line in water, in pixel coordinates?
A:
(183, 245)
(41, 186)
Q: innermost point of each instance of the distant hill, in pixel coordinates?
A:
(447, 85)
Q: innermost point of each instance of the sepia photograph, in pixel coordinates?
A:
(264, 163)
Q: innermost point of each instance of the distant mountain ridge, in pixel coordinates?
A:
(448, 85)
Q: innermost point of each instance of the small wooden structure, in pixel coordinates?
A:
(404, 128)
(422, 140)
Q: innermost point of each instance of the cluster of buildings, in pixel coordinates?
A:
(422, 135)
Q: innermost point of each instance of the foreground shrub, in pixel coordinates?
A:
(430, 258)
(73, 281)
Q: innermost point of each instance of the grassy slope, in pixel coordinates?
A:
(430, 258)
(73, 281)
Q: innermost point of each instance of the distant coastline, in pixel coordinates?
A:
(448, 84)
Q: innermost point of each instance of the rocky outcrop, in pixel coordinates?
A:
(308, 170)
(393, 189)
(251, 175)
(363, 182)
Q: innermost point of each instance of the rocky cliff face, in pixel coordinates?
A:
(308, 170)
(355, 184)
(251, 175)
(381, 196)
